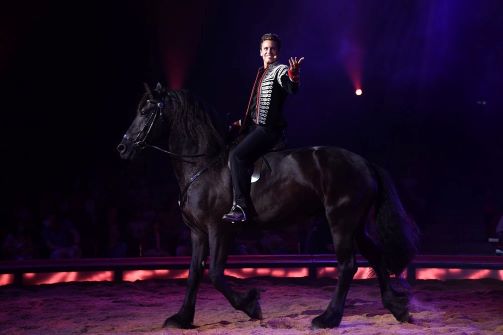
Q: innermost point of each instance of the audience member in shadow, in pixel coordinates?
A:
(60, 237)
(272, 243)
(183, 245)
(319, 238)
(18, 243)
(116, 242)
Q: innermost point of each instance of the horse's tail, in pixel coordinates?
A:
(397, 232)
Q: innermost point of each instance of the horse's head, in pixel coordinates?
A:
(148, 124)
(173, 119)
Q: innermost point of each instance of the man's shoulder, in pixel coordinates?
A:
(279, 66)
(278, 69)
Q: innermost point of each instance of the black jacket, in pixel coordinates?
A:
(271, 87)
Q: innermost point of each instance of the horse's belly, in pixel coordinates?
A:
(284, 202)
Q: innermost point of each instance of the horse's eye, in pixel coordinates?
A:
(146, 109)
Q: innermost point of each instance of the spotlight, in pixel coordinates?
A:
(358, 92)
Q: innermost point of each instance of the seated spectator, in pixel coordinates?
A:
(18, 243)
(60, 237)
(153, 247)
(183, 245)
(319, 238)
(117, 246)
(272, 243)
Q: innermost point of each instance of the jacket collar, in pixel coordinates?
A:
(270, 66)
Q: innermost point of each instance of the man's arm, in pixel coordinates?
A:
(289, 78)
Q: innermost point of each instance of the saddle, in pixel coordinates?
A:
(261, 165)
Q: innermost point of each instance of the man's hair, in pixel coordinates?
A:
(272, 37)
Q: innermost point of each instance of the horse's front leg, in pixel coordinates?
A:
(185, 316)
(249, 302)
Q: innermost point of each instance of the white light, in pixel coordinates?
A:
(358, 92)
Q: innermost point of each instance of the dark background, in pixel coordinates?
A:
(431, 110)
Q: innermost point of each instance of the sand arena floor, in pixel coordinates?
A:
(288, 305)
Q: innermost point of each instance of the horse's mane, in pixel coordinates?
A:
(196, 120)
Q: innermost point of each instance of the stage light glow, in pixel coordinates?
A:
(351, 53)
(179, 38)
(6, 279)
(134, 275)
(417, 271)
(364, 273)
(326, 272)
(358, 92)
(65, 277)
(270, 272)
(331, 272)
(448, 274)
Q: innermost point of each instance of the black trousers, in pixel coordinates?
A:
(255, 144)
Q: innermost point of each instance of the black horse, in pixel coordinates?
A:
(351, 192)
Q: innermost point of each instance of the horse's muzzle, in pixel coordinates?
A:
(125, 150)
(121, 148)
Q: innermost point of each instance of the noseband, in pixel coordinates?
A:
(141, 139)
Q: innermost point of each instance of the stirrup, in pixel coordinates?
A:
(233, 216)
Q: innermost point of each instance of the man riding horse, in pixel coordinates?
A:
(357, 198)
(263, 123)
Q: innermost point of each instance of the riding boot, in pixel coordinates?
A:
(236, 214)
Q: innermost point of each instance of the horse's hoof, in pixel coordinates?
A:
(398, 305)
(252, 306)
(405, 317)
(400, 313)
(325, 321)
(177, 321)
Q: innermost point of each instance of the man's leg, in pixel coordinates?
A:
(241, 158)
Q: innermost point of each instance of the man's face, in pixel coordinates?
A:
(269, 51)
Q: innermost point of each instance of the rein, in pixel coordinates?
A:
(183, 195)
(142, 143)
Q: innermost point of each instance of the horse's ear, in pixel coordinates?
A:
(148, 91)
(160, 89)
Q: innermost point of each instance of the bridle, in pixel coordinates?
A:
(141, 143)
(141, 139)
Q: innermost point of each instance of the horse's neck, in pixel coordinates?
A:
(205, 143)
(186, 168)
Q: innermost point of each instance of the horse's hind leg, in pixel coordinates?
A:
(342, 227)
(185, 316)
(249, 302)
(397, 302)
